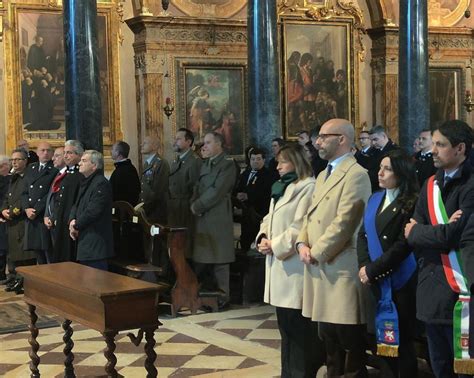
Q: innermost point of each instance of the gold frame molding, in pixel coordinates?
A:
(339, 13)
(15, 130)
(229, 9)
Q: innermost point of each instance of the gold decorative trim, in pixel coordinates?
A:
(450, 18)
(287, 6)
(210, 8)
(1, 28)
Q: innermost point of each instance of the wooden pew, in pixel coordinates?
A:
(129, 223)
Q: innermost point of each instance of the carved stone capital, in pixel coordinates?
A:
(152, 62)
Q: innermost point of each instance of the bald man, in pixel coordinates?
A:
(38, 179)
(332, 292)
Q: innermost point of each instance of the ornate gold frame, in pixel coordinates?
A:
(110, 10)
(340, 13)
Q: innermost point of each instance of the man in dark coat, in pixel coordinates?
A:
(154, 182)
(62, 196)
(435, 298)
(253, 196)
(91, 216)
(184, 174)
(124, 180)
(424, 158)
(38, 179)
(277, 144)
(365, 152)
(4, 184)
(381, 145)
(14, 213)
(36, 55)
(32, 157)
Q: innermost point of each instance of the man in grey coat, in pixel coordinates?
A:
(213, 249)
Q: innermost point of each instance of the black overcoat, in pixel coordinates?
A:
(125, 182)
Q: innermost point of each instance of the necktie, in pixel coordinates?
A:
(446, 180)
(57, 182)
(328, 171)
(251, 176)
(41, 167)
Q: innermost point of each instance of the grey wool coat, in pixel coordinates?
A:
(212, 207)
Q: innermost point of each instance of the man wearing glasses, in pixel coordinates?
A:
(364, 154)
(14, 215)
(332, 292)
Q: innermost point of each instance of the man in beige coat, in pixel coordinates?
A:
(332, 292)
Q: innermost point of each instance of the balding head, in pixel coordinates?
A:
(44, 152)
(335, 139)
(150, 145)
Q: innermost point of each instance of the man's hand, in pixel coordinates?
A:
(241, 196)
(265, 247)
(30, 213)
(47, 222)
(455, 217)
(409, 226)
(305, 255)
(6, 214)
(363, 276)
(73, 233)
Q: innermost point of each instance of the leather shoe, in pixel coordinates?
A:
(18, 284)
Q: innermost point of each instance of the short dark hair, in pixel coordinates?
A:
(281, 142)
(22, 151)
(123, 148)
(457, 131)
(302, 132)
(219, 138)
(188, 134)
(257, 151)
(377, 129)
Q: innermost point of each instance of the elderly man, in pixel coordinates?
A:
(4, 183)
(183, 177)
(61, 198)
(154, 181)
(91, 216)
(214, 242)
(332, 292)
(38, 179)
(14, 214)
(124, 180)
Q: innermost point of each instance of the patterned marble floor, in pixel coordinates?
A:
(240, 342)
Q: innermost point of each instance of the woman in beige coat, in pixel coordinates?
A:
(291, 197)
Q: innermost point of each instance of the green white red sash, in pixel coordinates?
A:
(452, 266)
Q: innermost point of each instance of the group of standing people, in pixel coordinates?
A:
(341, 260)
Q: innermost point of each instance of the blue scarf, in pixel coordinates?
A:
(386, 319)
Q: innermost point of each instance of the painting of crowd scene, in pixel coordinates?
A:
(214, 102)
(42, 72)
(316, 75)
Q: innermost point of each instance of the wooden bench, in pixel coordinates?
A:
(135, 238)
(97, 299)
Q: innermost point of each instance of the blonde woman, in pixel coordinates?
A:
(291, 197)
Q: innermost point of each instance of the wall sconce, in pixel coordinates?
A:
(168, 108)
(468, 103)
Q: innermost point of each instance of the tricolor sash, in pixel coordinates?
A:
(386, 318)
(452, 266)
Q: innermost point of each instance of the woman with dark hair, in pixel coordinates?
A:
(291, 197)
(387, 263)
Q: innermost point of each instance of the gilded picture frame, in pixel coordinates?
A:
(212, 98)
(318, 73)
(446, 94)
(39, 116)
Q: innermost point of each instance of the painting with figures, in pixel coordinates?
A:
(317, 74)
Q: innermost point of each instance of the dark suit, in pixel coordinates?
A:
(125, 182)
(32, 157)
(390, 224)
(424, 166)
(258, 190)
(63, 247)
(93, 214)
(37, 185)
(154, 189)
(4, 184)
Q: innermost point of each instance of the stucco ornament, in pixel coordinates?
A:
(446, 12)
(210, 8)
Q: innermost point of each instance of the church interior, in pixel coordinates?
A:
(157, 58)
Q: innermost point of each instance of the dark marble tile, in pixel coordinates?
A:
(5, 368)
(213, 350)
(276, 344)
(208, 324)
(185, 373)
(250, 362)
(256, 317)
(179, 338)
(269, 324)
(240, 333)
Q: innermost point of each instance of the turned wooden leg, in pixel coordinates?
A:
(150, 353)
(69, 344)
(109, 354)
(35, 360)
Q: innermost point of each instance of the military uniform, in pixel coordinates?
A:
(184, 173)
(424, 166)
(154, 189)
(37, 184)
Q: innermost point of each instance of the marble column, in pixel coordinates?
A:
(263, 73)
(413, 90)
(83, 108)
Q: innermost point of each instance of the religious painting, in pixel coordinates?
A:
(445, 92)
(42, 74)
(317, 74)
(212, 98)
